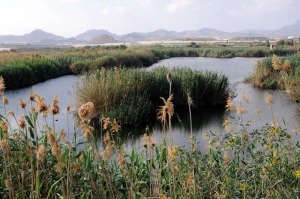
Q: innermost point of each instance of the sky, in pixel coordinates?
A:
(69, 18)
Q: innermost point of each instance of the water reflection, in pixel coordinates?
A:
(204, 119)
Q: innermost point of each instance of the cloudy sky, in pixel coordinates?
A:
(72, 17)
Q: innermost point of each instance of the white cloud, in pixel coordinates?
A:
(69, 1)
(113, 9)
(176, 5)
(144, 2)
(259, 7)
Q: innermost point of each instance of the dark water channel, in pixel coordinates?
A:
(204, 119)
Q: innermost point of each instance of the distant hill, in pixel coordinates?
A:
(289, 30)
(103, 39)
(132, 37)
(104, 36)
(90, 34)
(32, 37)
(204, 32)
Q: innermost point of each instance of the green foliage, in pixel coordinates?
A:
(286, 76)
(38, 162)
(49, 63)
(129, 95)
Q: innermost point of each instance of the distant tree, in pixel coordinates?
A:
(122, 47)
(289, 42)
(280, 42)
(267, 43)
(193, 45)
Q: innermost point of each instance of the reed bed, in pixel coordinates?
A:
(279, 72)
(39, 65)
(131, 95)
(38, 162)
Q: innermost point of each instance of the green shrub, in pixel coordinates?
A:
(129, 95)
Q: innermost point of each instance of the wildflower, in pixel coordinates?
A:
(173, 152)
(268, 99)
(229, 104)
(167, 109)
(54, 109)
(227, 121)
(4, 100)
(176, 167)
(22, 104)
(86, 110)
(297, 173)
(40, 153)
(21, 122)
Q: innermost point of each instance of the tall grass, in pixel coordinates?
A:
(279, 72)
(43, 64)
(38, 162)
(130, 95)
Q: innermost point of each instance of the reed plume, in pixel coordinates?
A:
(85, 112)
(2, 85)
(166, 111)
(54, 109)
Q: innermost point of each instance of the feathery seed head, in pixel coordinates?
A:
(22, 104)
(21, 122)
(85, 112)
(2, 85)
(166, 110)
(40, 153)
(4, 100)
(54, 109)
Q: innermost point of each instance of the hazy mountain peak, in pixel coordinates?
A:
(90, 34)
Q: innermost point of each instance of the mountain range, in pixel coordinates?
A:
(103, 36)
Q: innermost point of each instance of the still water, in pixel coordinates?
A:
(204, 119)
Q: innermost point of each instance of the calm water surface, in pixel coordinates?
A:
(203, 119)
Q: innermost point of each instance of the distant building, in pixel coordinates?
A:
(272, 46)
